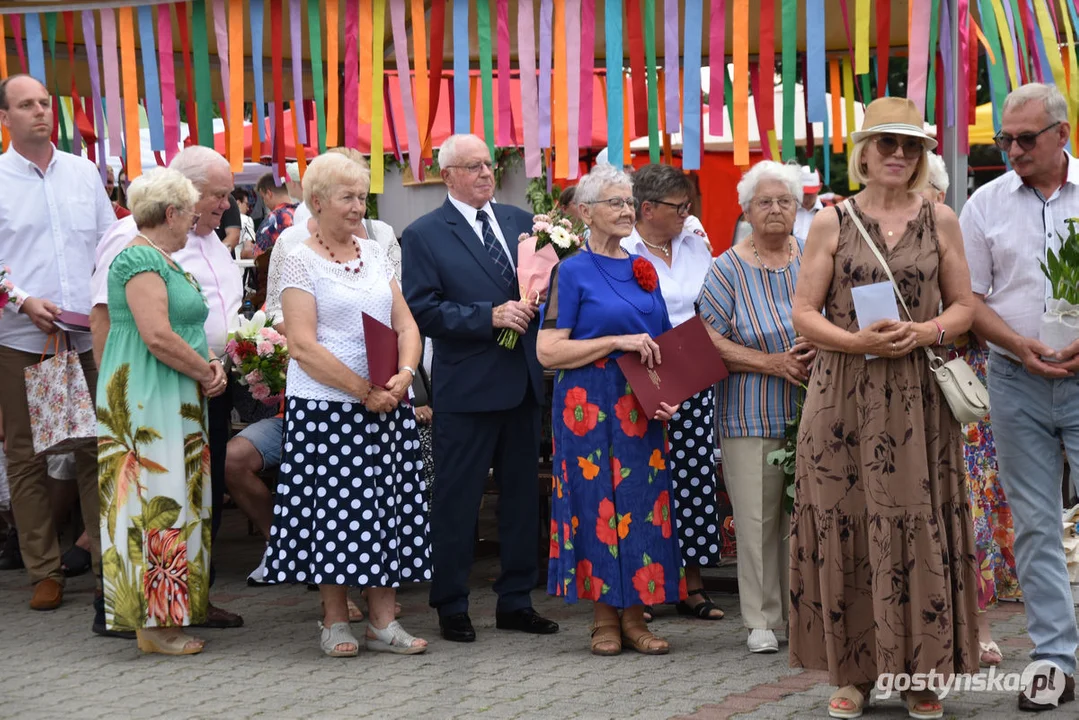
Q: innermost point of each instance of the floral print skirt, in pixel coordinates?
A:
(613, 536)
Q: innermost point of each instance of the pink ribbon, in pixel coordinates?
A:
(404, 77)
(505, 105)
(170, 110)
(296, 34)
(112, 82)
(670, 63)
(352, 74)
(949, 76)
(545, 72)
(918, 69)
(573, 82)
(588, 64)
(526, 57)
(717, 62)
(95, 88)
(963, 79)
(221, 32)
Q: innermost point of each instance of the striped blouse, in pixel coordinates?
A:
(752, 307)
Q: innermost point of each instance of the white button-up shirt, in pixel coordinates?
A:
(205, 257)
(804, 218)
(691, 259)
(50, 223)
(1007, 228)
(472, 216)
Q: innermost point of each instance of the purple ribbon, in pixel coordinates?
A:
(573, 82)
(404, 79)
(670, 64)
(546, 17)
(526, 57)
(112, 81)
(222, 34)
(949, 79)
(296, 33)
(588, 71)
(95, 88)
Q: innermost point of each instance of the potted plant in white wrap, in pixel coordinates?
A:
(1060, 322)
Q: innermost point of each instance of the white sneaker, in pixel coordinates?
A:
(762, 641)
(258, 575)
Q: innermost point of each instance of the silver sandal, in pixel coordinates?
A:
(338, 634)
(394, 639)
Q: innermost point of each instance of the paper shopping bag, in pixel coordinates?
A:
(61, 411)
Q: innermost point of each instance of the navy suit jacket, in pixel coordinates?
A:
(451, 285)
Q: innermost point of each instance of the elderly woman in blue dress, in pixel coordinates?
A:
(746, 302)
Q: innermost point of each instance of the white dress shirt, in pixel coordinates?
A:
(804, 219)
(691, 259)
(205, 257)
(50, 224)
(472, 217)
(1007, 228)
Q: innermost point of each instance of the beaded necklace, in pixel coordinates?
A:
(608, 277)
(355, 244)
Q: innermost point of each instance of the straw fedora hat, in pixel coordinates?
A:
(895, 115)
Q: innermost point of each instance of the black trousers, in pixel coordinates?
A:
(466, 447)
(220, 427)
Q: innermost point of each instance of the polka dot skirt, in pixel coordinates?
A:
(351, 504)
(691, 434)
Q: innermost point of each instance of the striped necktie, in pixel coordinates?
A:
(494, 249)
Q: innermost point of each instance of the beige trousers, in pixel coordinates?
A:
(761, 527)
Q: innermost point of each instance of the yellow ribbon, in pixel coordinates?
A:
(378, 169)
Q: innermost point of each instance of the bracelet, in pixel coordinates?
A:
(216, 360)
(406, 368)
(940, 331)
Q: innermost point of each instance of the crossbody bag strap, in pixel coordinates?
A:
(933, 359)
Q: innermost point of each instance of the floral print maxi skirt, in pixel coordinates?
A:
(613, 536)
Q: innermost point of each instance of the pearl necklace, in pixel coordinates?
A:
(665, 249)
(154, 245)
(790, 257)
(355, 244)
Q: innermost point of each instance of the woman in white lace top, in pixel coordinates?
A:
(350, 508)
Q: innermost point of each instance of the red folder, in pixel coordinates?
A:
(690, 364)
(73, 321)
(381, 342)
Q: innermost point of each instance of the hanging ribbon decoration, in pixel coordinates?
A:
(505, 103)
(422, 87)
(483, 25)
(203, 91)
(111, 70)
(353, 82)
(884, 39)
(588, 71)
(937, 22)
(369, 83)
(276, 62)
(235, 98)
(189, 82)
(740, 119)
(60, 124)
(89, 31)
(301, 155)
(837, 105)
(636, 70)
(83, 123)
(378, 160)
(573, 86)
(546, 18)
(652, 79)
(152, 83)
(462, 120)
(816, 63)
(400, 48)
(861, 37)
(691, 91)
(1015, 30)
(848, 102)
(526, 58)
(559, 109)
(296, 36)
(133, 146)
(1033, 42)
(671, 70)
(790, 73)
(1049, 39)
(438, 31)
(5, 139)
(717, 61)
(34, 47)
(1068, 21)
(333, 103)
(222, 37)
(613, 32)
(258, 114)
(314, 36)
(918, 67)
(170, 110)
(16, 29)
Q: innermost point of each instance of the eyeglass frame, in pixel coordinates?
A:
(1032, 138)
(915, 142)
(630, 202)
(683, 209)
(474, 168)
(775, 202)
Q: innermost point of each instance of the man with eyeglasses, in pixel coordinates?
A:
(1008, 226)
(459, 277)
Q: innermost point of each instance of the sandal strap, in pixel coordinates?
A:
(393, 634)
(639, 635)
(850, 693)
(338, 634)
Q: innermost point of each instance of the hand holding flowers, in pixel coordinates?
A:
(259, 358)
(7, 290)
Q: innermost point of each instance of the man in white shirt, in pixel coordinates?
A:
(53, 212)
(1008, 225)
(210, 262)
(811, 203)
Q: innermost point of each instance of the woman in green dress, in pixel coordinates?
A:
(153, 460)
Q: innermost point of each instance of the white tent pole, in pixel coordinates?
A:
(955, 162)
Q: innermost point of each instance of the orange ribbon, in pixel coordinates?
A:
(333, 101)
(132, 137)
(740, 124)
(837, 105)
(560, 95)
(236, 85)
(367, 48)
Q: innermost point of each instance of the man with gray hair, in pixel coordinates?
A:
(1009, 225)
(210, 262)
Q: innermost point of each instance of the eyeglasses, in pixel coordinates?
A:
(786, 202)
(888, 144)
(680, 208)
(476, 167)
(615, 203)
(1026, 140)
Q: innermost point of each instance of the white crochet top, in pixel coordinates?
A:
(340, 297)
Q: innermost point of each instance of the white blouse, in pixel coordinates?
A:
(340, 297)
(681, 283)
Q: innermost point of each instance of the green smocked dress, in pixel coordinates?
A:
(153, 460)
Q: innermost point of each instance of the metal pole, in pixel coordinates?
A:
(955, 162)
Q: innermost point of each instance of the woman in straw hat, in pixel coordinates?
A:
(883, 578)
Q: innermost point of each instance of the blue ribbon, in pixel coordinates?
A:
(256, 10)
(826, 148)
(613, 29)
(816, 64)
(34, 46)
(462, 103)
(691, 88)
(153, 82)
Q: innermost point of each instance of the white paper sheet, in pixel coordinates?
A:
(872, 303)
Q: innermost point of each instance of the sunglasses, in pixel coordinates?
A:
(888, 144)
(1026, 140)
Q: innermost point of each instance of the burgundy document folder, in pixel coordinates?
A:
(381, 344)
(690, 363)
(73, 321)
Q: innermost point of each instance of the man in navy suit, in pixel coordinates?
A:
(459, 277)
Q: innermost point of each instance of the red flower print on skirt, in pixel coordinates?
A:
(630, 412)
(589, 587)
(580, 415)
(606, 524)
(165, 580)
(648, 582)
(661, 513)
(554, 539)
(618, 473)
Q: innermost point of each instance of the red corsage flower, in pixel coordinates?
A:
(645, 275)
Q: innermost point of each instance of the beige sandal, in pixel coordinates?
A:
(923, 705)
(640, 638)
(168, 641)
(607, 634)
(992, 650)
(850, 696)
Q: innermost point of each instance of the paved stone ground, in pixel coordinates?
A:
(51, 666)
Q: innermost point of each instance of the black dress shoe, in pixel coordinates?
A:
(1026, 704)
(457, 628)
(526, 620)
(10, 557)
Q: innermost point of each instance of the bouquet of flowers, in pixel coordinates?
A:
(259, 357)
(7, 289)
(1060, 323)
(552, 239)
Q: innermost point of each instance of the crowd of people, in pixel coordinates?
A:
(906, 526)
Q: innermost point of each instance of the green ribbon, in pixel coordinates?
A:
(790, 74)
(867, 88)
(314, 29)
(203, 92)
(728, 97)
(1024, 56)
(997, 70)
(50, 29)
(483, 22)
(931, 80)
(653, 81)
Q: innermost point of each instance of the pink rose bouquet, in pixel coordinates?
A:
(259, 358)
(7, 290)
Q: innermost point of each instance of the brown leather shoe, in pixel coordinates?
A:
(47, 595)
(1067, 694)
